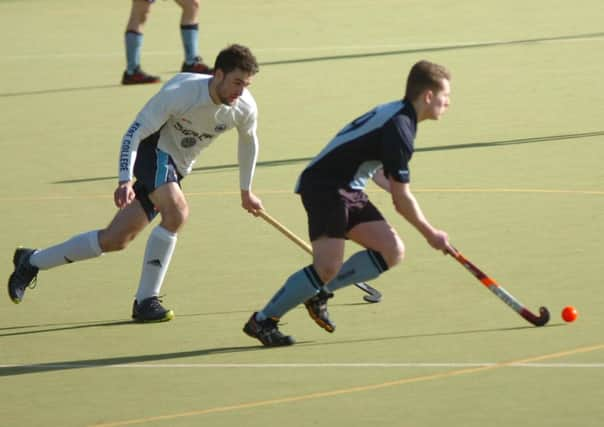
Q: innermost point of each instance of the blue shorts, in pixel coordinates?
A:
(152, 169)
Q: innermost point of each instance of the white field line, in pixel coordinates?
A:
(76, 365)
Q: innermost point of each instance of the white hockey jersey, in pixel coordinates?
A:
(188, 121)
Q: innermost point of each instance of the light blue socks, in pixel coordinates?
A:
(360, 267)
(190, 42)
(134, 43)
(299, 287)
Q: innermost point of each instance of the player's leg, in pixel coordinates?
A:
(328, 254)
(124, 227)
(368, 228)
(364, 225)
(299, 288)
(328, 220)
(189, 32)
(327, 227)
(134, 74)
(172, 206)
(384, 250)
(308, 281)
(169, 200)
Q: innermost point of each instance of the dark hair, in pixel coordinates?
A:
(236, 56)
(425, 75)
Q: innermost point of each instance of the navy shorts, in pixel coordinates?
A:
(333, 213)
(152, 168)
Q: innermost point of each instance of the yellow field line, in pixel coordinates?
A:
(506, 190)
(60, 197)
(350, 390)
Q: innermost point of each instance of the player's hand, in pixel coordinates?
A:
(124, 194)
(439, 240)
(250, 202)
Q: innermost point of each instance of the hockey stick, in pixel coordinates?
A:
(373, 295)
(501, 293)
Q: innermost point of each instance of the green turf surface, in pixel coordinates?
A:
(513, 172)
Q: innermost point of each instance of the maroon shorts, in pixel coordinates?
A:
(333, 213)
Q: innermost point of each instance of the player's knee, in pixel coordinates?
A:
(111, 242)
(118, 245)
(328, 271)
(174, 219)
(191, 6)
(183, 214)
(395, 254)
(139, 13)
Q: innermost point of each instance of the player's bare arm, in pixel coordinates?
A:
(408, 207)
(381, 181)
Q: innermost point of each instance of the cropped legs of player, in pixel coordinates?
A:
(134, 37)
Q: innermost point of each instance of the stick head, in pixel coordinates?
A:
(373, 295)
(540, 320)
(544, 318)
(373, 298)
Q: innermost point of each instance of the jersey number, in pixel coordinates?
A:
(358, 122)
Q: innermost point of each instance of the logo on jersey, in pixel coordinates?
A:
(220, 127)
(188, 142)
(154, 263)
(190, 133)
(126, 143)
(403, 174)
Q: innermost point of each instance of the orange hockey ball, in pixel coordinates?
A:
(569, 313)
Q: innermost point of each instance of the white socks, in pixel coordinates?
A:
(78, 248)
(158, 254)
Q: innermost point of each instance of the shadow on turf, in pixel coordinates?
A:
(124, 360)
(272, 163)
(436, 49)
(57, 327)
(353, 56)
(112, 361)
(435, 334)
(60, 327)
(62, 90)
